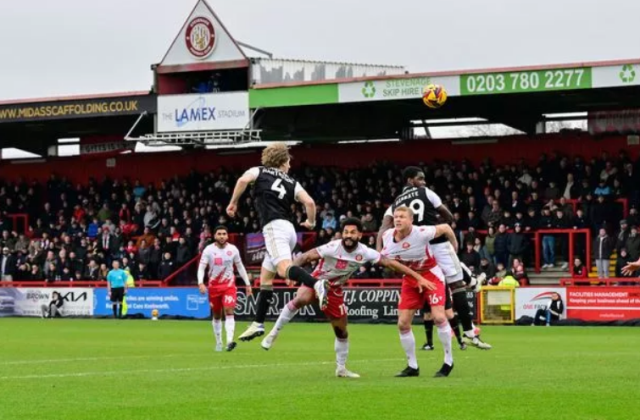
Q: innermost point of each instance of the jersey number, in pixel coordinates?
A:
(417, 206)
(279, 188)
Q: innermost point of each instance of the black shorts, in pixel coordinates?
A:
(117, 294)
(448, 304)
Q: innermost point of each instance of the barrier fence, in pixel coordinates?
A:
(537, 246)
(365, 303)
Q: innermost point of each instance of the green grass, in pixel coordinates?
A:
(105, 369)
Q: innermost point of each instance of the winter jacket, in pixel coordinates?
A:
(603, 247)
(518, 243)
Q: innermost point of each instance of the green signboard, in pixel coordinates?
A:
(525, 81)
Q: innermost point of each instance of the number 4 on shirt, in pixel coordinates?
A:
(279, 188)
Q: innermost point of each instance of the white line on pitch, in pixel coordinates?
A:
(190, 369)
(91, 359)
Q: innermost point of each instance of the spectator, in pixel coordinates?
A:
(489, 243)
(104, 213)
(329, 222)
(603, 247)
(633, 244)
(92, 271)
(551, 312)
(602, 189)
(54, 308)
(579, 269)
(470, 257)
(552, 192)
(481, 249)
(487, 268)
(548, 240)
(622, 260)
(501, 245)
(103, 272)
(8, 265)
(369, 224)
(623, 235)
(36, 273)
(166, 266)
(519, 273)
(518, 244)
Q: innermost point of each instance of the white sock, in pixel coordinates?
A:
(217, 330)
(230, 327)
(408, 342)
(341, 347)
(287, 314)
(444, 334)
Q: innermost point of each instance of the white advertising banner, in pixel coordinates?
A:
(394, 89)
(612, 76)
(530, 299)
(28, 301)
(203, 112)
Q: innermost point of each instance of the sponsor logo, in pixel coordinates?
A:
(200, 37)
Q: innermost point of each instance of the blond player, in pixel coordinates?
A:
(409, 244)
(339, 259)
(220, 258)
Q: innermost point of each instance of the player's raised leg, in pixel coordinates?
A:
(304, 297)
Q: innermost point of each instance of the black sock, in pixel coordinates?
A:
(120, 310)
(115, 310)
(461, 307)
(455, 326)
(299, 275)
(428, 329)
(264, 300)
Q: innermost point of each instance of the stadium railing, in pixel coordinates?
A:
(138, 283)
(536, 240)
(19, 222)
(623, 202)
(633, 281)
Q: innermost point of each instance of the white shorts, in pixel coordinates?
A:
(448, 261)
(279, 238)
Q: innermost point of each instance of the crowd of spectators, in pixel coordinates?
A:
(75, 231)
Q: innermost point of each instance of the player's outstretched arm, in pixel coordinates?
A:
(445, 230)
(202, 267)
(241, 186)
(310, 208)
(387, 223)
(630, 268)
(445, 213)
(307, 258)
(396, 266)
(237, 261)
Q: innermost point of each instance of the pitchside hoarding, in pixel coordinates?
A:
(184, 302)
(28, 301)
(603, 303)
(530, 299)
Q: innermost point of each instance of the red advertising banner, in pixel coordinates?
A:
(603, 303)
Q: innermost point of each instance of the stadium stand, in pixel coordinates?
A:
(504, 212)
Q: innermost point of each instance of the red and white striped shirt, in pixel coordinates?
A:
(412, 251)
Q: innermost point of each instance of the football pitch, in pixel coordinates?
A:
(107, 369)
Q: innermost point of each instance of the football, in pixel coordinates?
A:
(434, 96)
